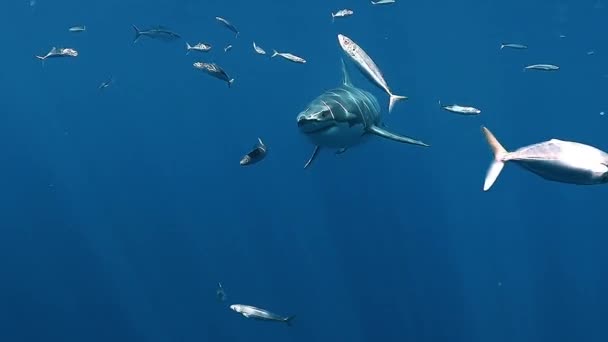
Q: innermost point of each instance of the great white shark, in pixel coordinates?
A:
(343, 117)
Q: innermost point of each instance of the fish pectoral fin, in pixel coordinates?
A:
(246, 315)
(342, 150)
(314, 155)
(392, 136)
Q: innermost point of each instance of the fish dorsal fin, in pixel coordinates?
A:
(53, 49)
(345, 76)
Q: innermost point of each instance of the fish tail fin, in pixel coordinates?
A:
(188, 48)
(502, 46)
(40, 58)
(498, 163)
(274, 53)
(393, 99)
(230, 82)
(289, 319)
(137, 34)
(333, 17)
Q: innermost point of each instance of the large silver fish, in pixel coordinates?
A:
(256, 313)
(215, 71)
(554, 160)
(228, 25)
(59, 52)
(343, 117)
(159, 32)
(368, 67)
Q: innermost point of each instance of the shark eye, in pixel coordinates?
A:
(324, 114)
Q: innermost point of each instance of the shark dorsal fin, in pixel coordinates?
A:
(345, 76)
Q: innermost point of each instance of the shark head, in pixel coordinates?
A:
(318, 117)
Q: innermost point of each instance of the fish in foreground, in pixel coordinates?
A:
(59, 52)
(220, 293)
(77, 28)
(258, 49)
(215, 71)
(466, 110)
(258, 153)
(383, 2)
(368, 68)
(554, 160)
(341, 13)
(288, 56)
(260, 314)
(159, 32)
(200, 47)
(228, 48)
(543, 67)
(513, 46)
(344, 117)
(229, 25)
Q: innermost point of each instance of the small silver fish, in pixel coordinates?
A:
(77, 28)
(105, 84)
(260, 314)
(59, 52)
(543, 67)
(513, 46)
(589, 53)
(383, 2)
(367, 66)
(228, 48)
(159, 32)
(341, 13)
(466, 110)
(288, 56)
(258, 153)
(229, 25)
(258, 49)
(554, 160)
(215, 71)
(200, 47)
(220, 293)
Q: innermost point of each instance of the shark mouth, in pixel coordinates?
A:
(312, 126)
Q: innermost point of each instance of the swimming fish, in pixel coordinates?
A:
(59, 52)
(513, 46)
(77, 28)
(220, 293)
(260, 314)
(543, 67)
(229, 25)
(200, 47)
(383, 2)
(467, 110)
(159, 32)
(258, 153)
(228, 48)
(288, 56)
(554, 160)
(341, 13)
(105, 84)
(368, 68)
(215, 71)
(258, 49)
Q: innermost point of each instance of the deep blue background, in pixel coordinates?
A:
(121, 210)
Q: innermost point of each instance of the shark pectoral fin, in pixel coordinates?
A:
(392, 136)
(342, 150)
(315, 152)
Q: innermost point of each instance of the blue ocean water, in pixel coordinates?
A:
(122, 209)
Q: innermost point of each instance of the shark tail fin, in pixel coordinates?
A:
(274, 53)
(498, 163)
(261, 142)
(137, 34)
(289, 319)
(393, 99)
